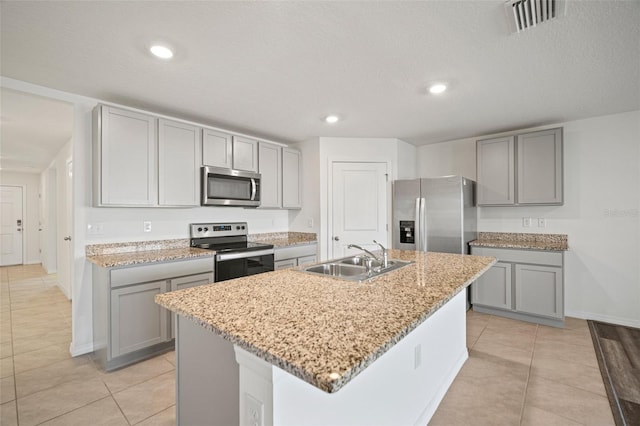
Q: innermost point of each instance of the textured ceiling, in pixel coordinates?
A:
(274, 69)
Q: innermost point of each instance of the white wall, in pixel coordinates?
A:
(48, 191)
(31, 215)
(600, 213)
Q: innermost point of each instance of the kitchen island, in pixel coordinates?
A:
(288, 347)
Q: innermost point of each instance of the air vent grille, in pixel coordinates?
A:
(526, 14)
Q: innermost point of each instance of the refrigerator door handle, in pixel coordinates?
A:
(423, 226)
(418, 220)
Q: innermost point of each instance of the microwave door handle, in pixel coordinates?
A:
(254, 189)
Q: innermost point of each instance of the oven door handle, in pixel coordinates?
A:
(254, 189)
(242, 255)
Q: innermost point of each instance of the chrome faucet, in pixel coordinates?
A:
(373, 256)
(385, 255)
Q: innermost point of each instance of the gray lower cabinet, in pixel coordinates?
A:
(187, 282)
(128, 325)
(137, 322)
(525, 284)
(290, 256)
(494, 287)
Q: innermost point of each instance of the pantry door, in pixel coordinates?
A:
(359, 207)
(12, 225)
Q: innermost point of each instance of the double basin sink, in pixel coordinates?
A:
(356, 268)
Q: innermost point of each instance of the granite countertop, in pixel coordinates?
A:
(552, 242)
(284, 239)
(325, 330)
(115, 255)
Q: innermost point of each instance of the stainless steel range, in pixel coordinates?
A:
(235, 255)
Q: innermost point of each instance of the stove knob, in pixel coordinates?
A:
(199, 229)
(237, 227)
(206, 229)
(242, 226)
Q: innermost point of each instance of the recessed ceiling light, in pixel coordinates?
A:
(332, 119)
(438, 88)
(162, 52)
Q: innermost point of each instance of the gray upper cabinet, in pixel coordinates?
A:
(270, 169)
(291, 178)
(540, 167)
(496, 174)
(125, 164)
(245, 154)
(178, 164)
(217, 149)
(524, 169)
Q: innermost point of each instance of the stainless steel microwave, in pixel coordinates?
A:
(229, 187)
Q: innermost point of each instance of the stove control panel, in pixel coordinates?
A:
(205, 230)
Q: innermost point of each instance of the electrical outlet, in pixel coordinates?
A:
(417, 356)
(146, 226)
(310, 222)
(526, 222)
(95, 228)
(254, 410)
(542, 222)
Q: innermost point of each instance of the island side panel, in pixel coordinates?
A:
(207, 377)
(403, 387)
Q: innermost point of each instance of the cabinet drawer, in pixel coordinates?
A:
(537, 257)
(160, 271)
(295, 251)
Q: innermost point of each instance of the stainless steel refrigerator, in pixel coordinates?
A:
(434, 214)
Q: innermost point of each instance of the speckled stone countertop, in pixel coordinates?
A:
(284, 239)
(115, 255)
(325, 330)
(554, 242)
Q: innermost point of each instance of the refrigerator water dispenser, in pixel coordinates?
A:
(407, 231)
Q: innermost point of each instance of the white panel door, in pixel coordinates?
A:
(359, 207)
(11, 225)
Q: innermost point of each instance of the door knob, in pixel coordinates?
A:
(67, 238)
(336, 238)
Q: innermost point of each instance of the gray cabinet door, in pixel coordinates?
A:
(539, 290)
(137, 321)
(291, 178)
(307, 260)
(125, 164)
(494, 287)
(495, 168)
(187, 282)
(540, 167)
(178, 164)
(284, 264)
(217, 149)
(270, 169)
(245, 154)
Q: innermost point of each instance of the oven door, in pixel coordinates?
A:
(241, 264)
(228, 187)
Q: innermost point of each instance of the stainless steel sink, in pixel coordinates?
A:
(337, 269)
(354, 268)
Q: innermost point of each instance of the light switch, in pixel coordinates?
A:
(542, 222)
(147, 226)
(526, 222)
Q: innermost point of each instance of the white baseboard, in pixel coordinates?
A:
(31, 262)
(629, 322)
(64, 291)
(82, 349)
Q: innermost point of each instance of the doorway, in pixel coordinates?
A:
(12, 225)
(358, 206)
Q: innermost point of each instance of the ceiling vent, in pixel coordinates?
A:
(525, 14)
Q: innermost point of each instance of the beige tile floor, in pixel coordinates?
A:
(517, 373)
